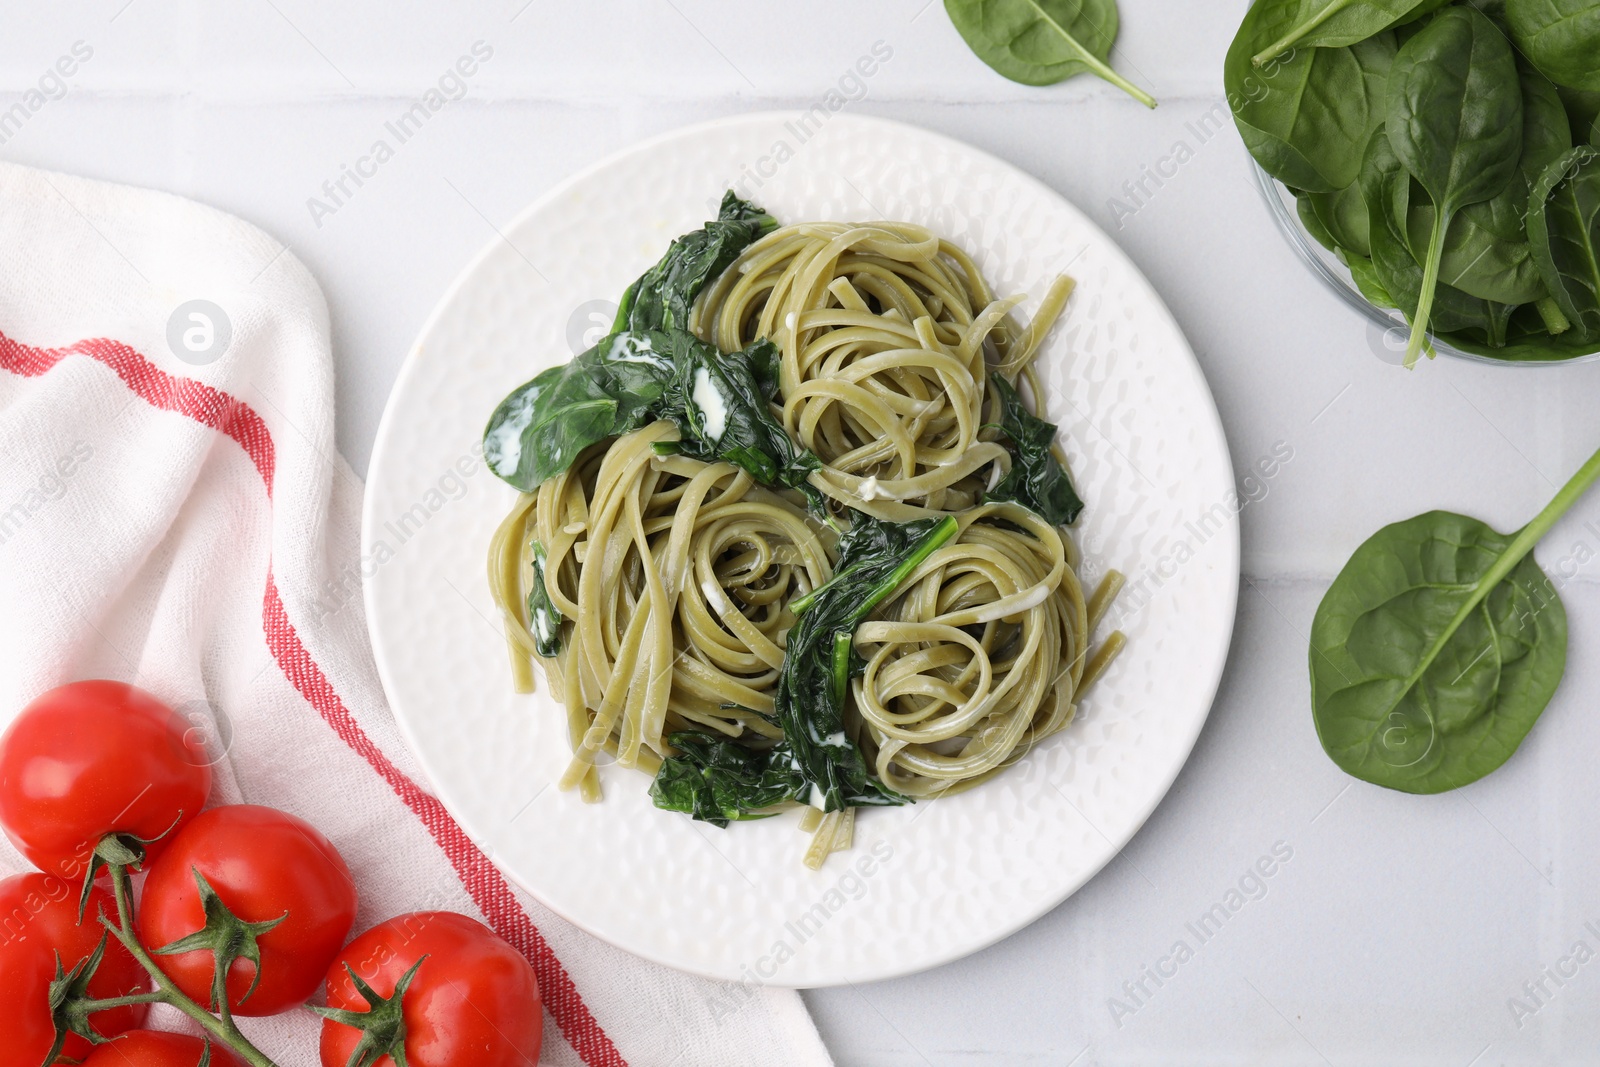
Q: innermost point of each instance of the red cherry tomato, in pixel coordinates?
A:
(262, 863)
(474, 999)
(151, 1048)
(38, 920)
(91, 759)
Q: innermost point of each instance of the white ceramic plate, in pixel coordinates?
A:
(927, 883)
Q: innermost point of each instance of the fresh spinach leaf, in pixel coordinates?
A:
(875, 559)
(1306, 116)
(544, 619)
(1041, 42)
(718, 781)
(1342, 214)
(1564, 230)
(1430, 661)
(1499, 316)
(1387, 189)
(1547, 131)
(1307, 211)
(1455, 122)
(1036, 479)
(1561, 37)
(1527, 341)
(1336, 23)
(1366, 278)
(1583, 108)
(1486, 251)
(1437, 647)
(663, 297)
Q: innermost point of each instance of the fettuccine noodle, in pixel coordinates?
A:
(882, 327)
(678, 575)
(675, 576)
(979, 658)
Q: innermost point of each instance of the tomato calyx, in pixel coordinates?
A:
(382, 1025)
(124, 850)
(70, 1000)
(228, 938)
(71, 1003)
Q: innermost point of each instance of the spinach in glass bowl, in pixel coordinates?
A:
(1429, 172)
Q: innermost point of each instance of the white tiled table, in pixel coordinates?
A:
(1399, 928)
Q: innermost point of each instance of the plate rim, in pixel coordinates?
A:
(1208, 413)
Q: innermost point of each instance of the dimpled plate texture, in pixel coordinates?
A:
(926, 883)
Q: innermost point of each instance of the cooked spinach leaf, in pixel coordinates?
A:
(1564, 230)
(613, 388)
(718, 781)
(663, 297)
(1437, 647)
(1307, 115)
(1036, 479)
(1454, 119)
(544, 619)
(720, 403)
(1041, 42)
(875, 559)
(1336, 23)
(653, 368)
(1561, 37)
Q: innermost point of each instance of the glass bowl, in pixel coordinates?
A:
(1335, 276)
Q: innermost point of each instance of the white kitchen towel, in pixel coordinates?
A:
(171, 511)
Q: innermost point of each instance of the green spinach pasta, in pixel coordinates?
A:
(791, 536)
(882, 329)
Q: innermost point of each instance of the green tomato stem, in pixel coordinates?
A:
(1288, 40)
(165, 992)
(1430, 285)
(109, 1003)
